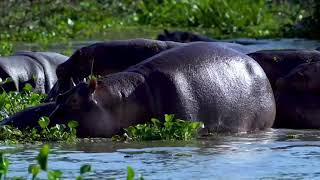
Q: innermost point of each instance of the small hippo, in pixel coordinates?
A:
(278, 63)
(36, 68)
(30, 116)
(113, 56)
(226, 90)
(302, 79)
(182, 36)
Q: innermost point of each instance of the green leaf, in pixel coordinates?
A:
(54, 175)
(42, 158)
(130, 173)
(79, 178)
(44, 122)
(34, 170)
(27, 87)
(73, 124)
(85, 168)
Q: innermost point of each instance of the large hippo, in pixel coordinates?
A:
(278, 63)
(30, 116)
(36, 68)
(112, 56)
(223, 88)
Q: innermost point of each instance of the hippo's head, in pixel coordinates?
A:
(177, 36)
(80, 105)
(82, 58)
(303, 78)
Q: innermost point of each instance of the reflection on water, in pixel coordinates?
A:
(264, 155)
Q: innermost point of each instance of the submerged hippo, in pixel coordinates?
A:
(297, 110)
(298, 97)
(30, 116)
(225, 89)
(182, 36)
(278, 63)
(36, 68)
(113, 56)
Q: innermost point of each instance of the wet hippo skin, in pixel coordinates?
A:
(225, 89)
(35, 68)
(278, 63)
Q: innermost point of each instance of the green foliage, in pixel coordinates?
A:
(58, 132)
(4, 166)
(131, 174)
(62, 21)
(170, 129)
(13, 102)
(6, 48)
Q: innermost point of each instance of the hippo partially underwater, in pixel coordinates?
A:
(278, 63)
(226, 90)
(298, 98)
(112, 56)
(35, 68)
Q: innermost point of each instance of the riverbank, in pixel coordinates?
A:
(45, 22)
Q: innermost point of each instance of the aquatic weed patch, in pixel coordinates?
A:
(168, 129)
(44, 133)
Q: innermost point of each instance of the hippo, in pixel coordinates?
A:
(110, 57)
(297, 98)
(182, 36)
(297, 110)
(302, 79)
(104, 58)
(29, 117)
(278, 63)
(35, 68)
(226, 90)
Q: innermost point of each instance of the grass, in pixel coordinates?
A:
(63, 21)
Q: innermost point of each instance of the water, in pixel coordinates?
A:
(265, 155)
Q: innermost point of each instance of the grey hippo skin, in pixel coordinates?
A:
(298, 98)
(225, 89)
(36, 68)
(110, 57)
(278, 63)
(30, 116)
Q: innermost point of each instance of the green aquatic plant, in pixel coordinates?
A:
(168, 129)
(13, 102)
(59, 132)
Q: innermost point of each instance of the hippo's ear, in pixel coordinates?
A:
(92, 85)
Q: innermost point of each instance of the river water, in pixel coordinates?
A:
(271, 154)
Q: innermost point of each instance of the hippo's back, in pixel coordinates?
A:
(225, 89)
